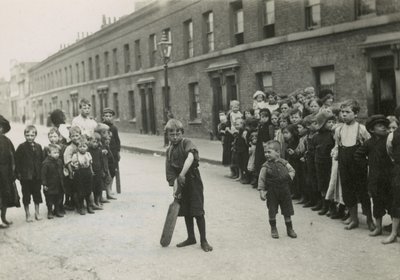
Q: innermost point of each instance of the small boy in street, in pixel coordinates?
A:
(274, 185)
(52, 181)
(182, 163)
(379, 168)
(28, 164)
(115, 143)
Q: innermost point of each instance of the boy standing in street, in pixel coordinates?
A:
(28, 163)
(83, 121)
(274, 185)
(182, 163)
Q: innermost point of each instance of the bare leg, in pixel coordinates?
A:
(3, 216)
(378, 229)
(28, 214)
(37, 215)
(190, 231)
(354, 218)
(393, 235)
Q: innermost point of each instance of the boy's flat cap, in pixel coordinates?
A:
(374, 119)
(108, 110)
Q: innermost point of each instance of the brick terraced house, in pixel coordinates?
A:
(224, 50)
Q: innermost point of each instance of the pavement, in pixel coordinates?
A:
(209, 151)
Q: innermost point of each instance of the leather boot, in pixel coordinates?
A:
(274, 230)
(318, 206)
(289, 230)
(325, 207)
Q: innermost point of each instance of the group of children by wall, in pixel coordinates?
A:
(74, 169)
(308, 149)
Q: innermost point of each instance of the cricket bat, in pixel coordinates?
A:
(170, 220)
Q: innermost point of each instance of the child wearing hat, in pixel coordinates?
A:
(353, 174)
(274, 185)
(379, 168)
(8, 192)
(324, 143)
(259, 102)
(115, 142)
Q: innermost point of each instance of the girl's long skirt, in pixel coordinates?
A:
(192, 201)
(335, 187)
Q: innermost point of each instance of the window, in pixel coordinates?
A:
(365, 7)
(90, 69)
(97, 66)
(66, 75)
(132, 112)
(264, 80)
(115, 62)
(209, 31)
(116, 105)
(324, 78)
(106, 65)
(77, 73)
(127, 58)
(167, 31)
(269, 18)
(75, 106)
(313, 14)
(68, 109)
(188, 35)
(138, 55)
(152, 49)
(83, 72)
(238, 24)
(94, 111)
(70, 75)
(194, 99)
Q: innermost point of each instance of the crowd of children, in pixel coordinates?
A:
(306, 148)
(74, 169)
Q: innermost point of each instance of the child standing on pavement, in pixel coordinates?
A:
(182, 164)
(353, 174)
(274, 186)
(291, 136)
(71, 198)
(115, 142)
(83, 172)
(28, 163)
(52, 181)
(8, 191)
(98, 167)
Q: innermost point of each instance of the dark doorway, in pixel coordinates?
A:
(148, 110)
(167, 107)
(144, 111)
(218, 105)
(384, 86)
(151, 111)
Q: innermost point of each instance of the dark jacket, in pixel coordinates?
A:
(115, 143)
(379, 163)
(52, 175)
(28, 161)
(323, 143)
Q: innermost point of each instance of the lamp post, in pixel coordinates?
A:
(165, 47)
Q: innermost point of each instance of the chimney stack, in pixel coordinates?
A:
(104, 21)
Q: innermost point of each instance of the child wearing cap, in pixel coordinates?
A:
(115, 142)
(379, 168)
(274, 186)
(8, 192)
(182, 162)
(259, 102)
(353, 174)
(324, 143)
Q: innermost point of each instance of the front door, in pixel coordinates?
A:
(151, 111)
(143, 110)
(218, 105)
(384, 85)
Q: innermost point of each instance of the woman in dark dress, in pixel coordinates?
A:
(8, 192)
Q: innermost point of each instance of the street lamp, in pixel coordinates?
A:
(165, 47)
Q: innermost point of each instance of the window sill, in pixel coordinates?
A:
(313, 27)
(195, 122)
(367, 16)
(132, 120)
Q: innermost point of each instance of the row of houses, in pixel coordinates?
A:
(221, 50)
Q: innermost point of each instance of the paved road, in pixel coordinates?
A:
(122, 242)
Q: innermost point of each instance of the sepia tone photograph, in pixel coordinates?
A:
(199, 139)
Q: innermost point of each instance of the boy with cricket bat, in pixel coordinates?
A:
(182, 163)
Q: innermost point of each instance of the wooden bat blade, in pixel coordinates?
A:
(169, 224)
